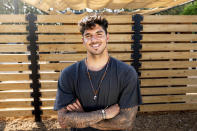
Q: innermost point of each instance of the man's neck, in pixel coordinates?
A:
(96, 63)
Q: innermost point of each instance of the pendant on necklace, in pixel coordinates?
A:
(95, 97)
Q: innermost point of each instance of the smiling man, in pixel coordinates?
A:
(98, 92)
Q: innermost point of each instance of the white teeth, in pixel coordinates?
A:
(97, 45)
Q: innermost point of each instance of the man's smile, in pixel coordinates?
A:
(95, 46)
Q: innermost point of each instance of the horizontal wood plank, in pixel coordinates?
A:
(168, 55)
(15, 94)
(13, 77)
(49, 85)
(48, 103)
(168, 81)
(168, 98)
(168, 73)
(13, 48)
(14, 67)
(167, 90)
(55, 66)
(15, 104)
(168, 64)
(48, 94)
(191, 98)
(12, 18)
(13, 28)
(49, 76)
(169, 19)
(169, 28)
(14, 86)
(13, 58)
(13, 38)
(76, 18)
(168, 46)
(167, 107)
(169, 37)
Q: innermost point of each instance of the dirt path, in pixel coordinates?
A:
(163, 121)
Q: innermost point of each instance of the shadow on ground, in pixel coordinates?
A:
(2, 125)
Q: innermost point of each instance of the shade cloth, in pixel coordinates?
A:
(143, 6)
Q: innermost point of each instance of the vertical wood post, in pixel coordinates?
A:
(136, 47)
(34, 66)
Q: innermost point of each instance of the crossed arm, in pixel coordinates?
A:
(116, 118)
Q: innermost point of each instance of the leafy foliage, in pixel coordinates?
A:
(191, 9)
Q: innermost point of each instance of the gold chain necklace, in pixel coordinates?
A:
(95, 91)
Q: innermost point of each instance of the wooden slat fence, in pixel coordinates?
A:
(169, 66)
(15, 89)
(168, 62)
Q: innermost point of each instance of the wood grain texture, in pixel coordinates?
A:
(167, 107)
(167, 90)
(168, 81)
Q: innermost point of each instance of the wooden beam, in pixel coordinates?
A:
(168, 73)
(168, 46)
(168, 98)
(167, 107)
(12, 18)
(13, 39)
(13, 28)
(168, 64)
(13, 58)
(14, 67)
(168, 90)
(168, 55)
(14, 86)
(13, 48)
(168, 81)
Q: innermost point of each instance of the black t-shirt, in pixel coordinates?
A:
(120, 86)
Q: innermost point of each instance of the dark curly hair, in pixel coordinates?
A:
(90, 21)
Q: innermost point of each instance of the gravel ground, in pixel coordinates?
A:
(157, 121)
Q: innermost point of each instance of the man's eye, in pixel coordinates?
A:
(99, 34)
(87, 36)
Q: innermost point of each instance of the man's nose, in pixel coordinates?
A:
(94, 38)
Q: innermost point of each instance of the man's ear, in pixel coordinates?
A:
(82, 40)
(107, 37)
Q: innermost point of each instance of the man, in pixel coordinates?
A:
(99, 92)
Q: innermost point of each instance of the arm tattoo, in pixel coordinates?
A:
(78, 119)
(122, 121)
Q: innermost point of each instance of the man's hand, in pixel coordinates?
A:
(75, 107)
(112, 111)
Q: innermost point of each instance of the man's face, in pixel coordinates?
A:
(95, 40)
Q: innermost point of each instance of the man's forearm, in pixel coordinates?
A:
(122, 121)
(78, 119)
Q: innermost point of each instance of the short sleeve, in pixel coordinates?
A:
(65, 94)
(130, 94)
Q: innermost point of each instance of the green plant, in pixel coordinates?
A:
(191, 9)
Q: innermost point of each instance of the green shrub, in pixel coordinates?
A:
(191, 9)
